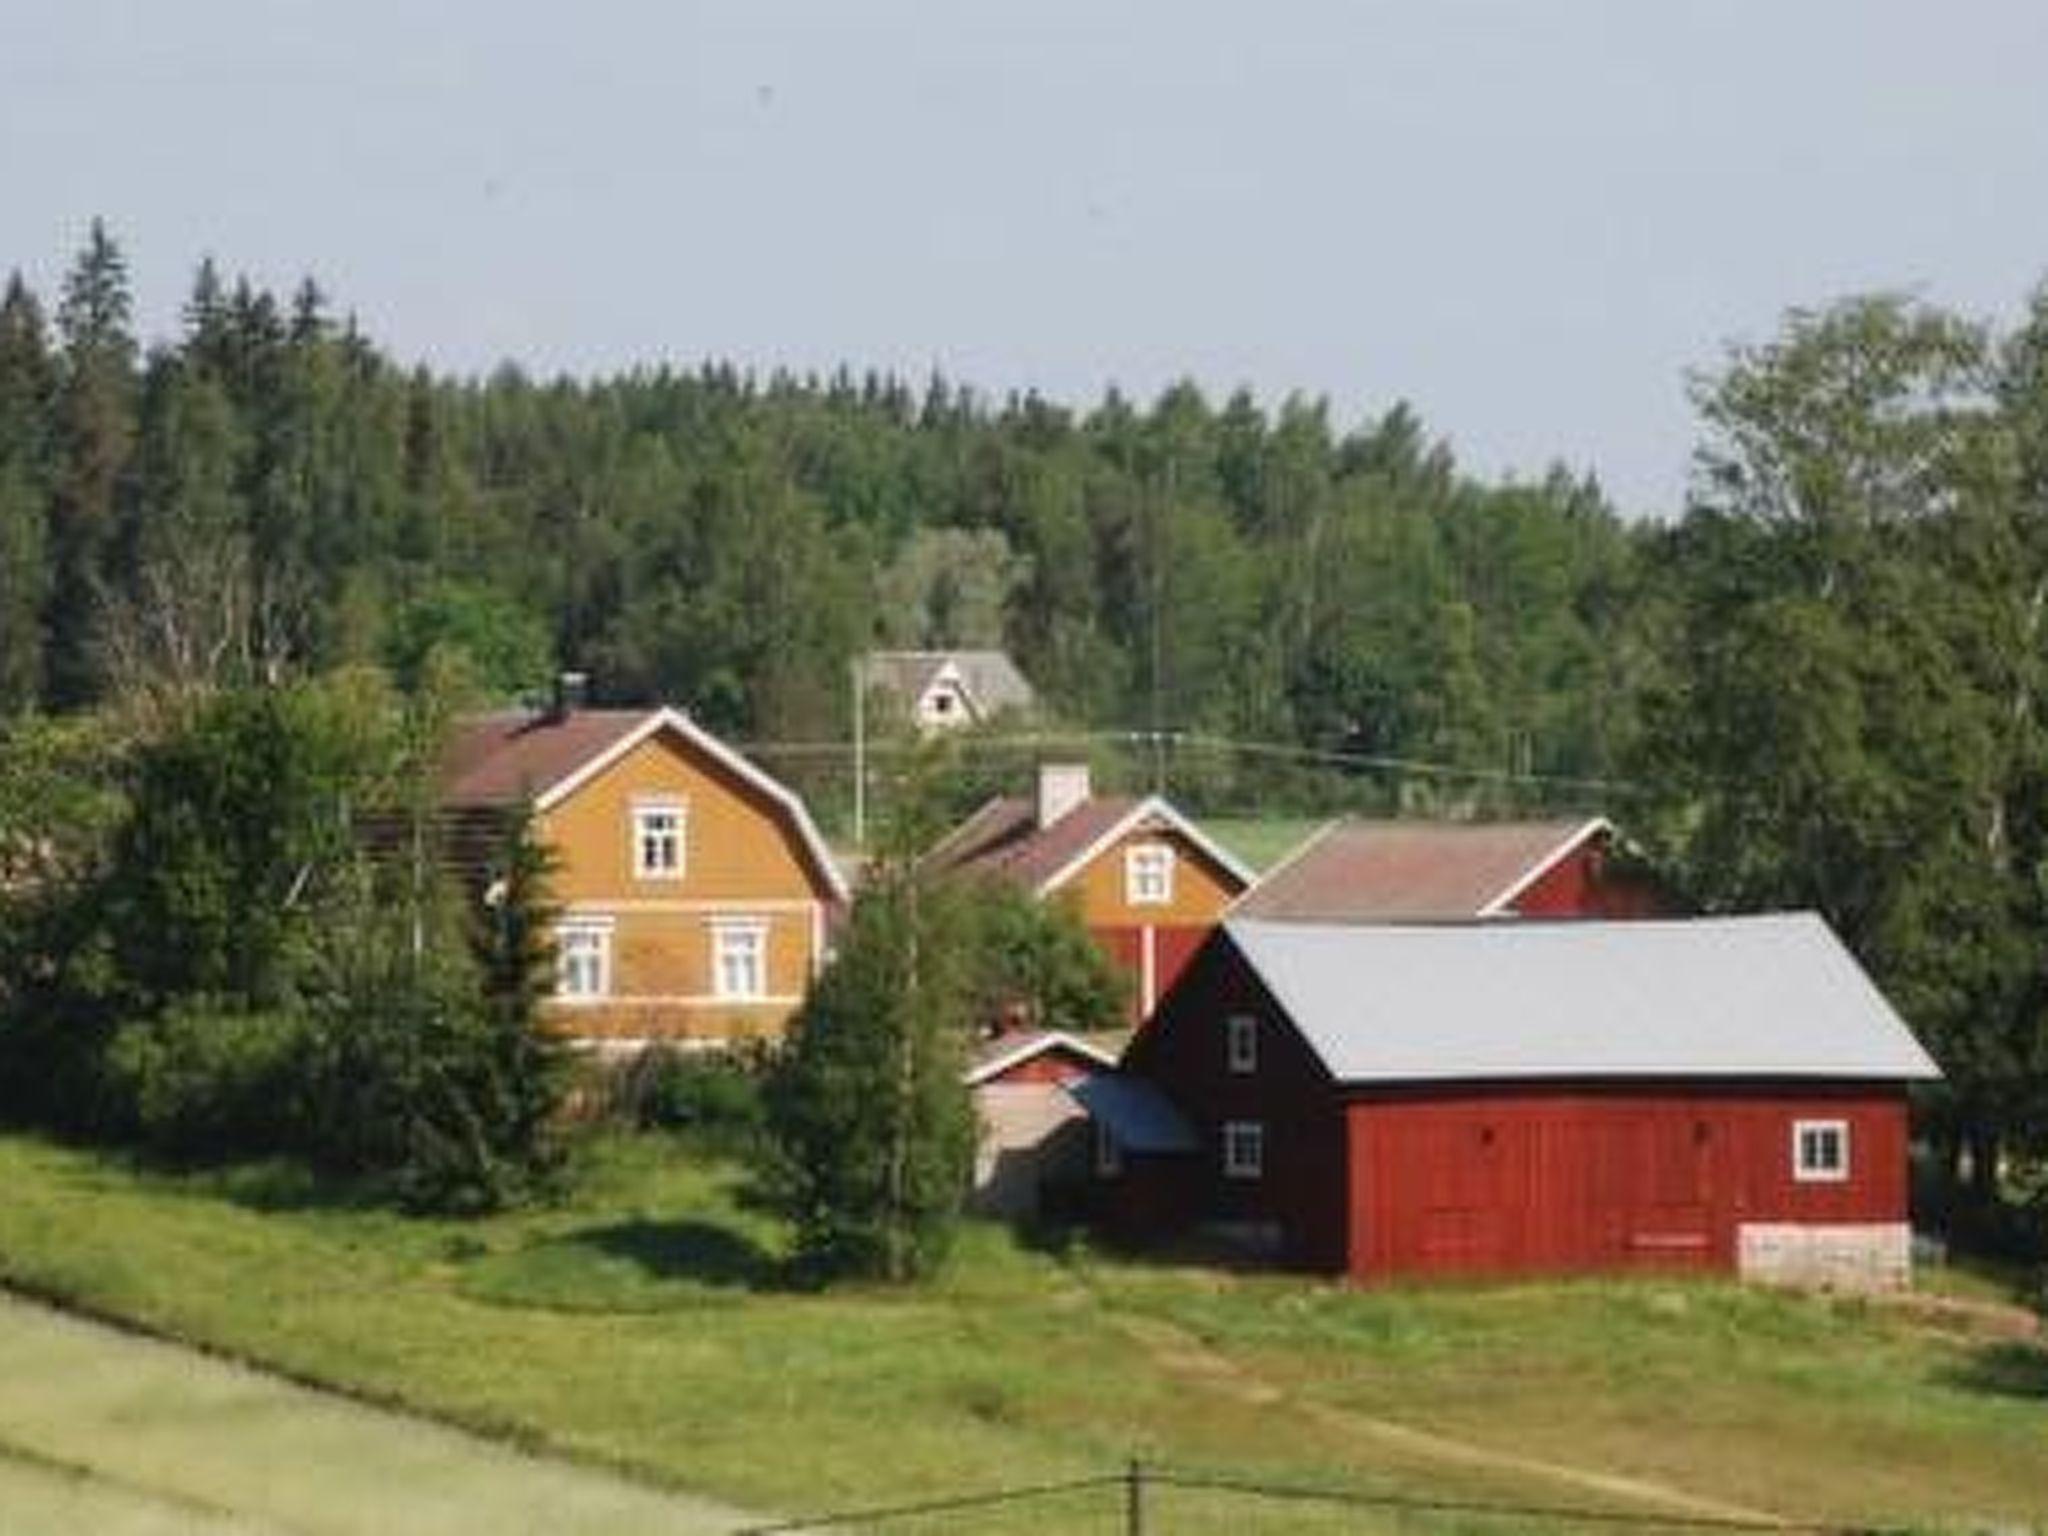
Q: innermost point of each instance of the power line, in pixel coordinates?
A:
(1134, 737)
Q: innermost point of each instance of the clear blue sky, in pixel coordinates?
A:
(1530, 219)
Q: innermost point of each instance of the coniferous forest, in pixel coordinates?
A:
(1822, 683)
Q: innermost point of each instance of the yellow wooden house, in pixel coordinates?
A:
(696, 896)
(1148, 883)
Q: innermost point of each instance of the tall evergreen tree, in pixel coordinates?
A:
(28, 384)
(95, 441)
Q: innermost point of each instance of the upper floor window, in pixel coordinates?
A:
(739, 958)
(1820, 1151)
(1241, 1042)
(1148, 875)
(583, 958)
(658, 834)
(1244, 1149)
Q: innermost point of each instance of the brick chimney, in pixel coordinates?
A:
(572, 692)
(1061, 787)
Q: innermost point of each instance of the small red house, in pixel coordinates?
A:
(1150, 885)
(1448, 871)
(1496, 1098)
(1051, 1108)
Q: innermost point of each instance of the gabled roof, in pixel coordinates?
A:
(1005, 1052)
(1003, 838)
(1414, 871)
(500, 759)
(990, 679)
(1736, 997)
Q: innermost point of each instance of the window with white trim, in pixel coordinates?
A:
(1241, 1042)
(1820, 1151)
(1148, 875)
(1244, 1149)
(739, 959)
(583, 959)
(659, 828)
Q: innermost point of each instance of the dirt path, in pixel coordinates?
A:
(103, 1431)
(1180, 1352)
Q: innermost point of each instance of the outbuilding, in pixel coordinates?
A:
(1500, 1098)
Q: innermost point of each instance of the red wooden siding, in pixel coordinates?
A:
(1056, 1064)
(1302, 1191)
(1586, 883)
(1533, 1179)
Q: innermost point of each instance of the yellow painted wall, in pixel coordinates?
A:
(1201, 887)
(741, 860)
(739, 843)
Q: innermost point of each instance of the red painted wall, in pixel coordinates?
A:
(1587, 883)
(1173, 948)
(1183, 1052)
(1055, 1064)
(1522, 1179)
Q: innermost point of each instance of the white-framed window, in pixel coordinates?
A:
(739, 958)
(1109, 1154)
(1148, 875)
(1241, 1042)
(660, 830)
(583, 958)
(1820, 1151)
(1244, 1149)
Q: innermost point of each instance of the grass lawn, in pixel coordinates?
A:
(103, 1431)
(643, 1324)
(1262, 842)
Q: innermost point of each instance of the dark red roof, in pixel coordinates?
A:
(500, 758)
(1004, 838)
(1419, 871)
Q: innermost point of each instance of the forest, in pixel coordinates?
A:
(1821, 683)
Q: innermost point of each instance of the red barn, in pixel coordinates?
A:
(1447, 871)
(1495, 1098)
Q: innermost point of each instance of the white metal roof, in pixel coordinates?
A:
(1736, 997)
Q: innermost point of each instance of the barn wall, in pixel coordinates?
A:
(1587, 883)
(1517, 1180)
(1182, 1051)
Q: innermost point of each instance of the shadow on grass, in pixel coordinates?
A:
(2006, 1370)
(699, 1251)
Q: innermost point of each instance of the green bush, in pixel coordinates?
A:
(714, 1096)
(205, 1081)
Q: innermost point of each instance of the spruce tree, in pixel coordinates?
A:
(95, 439)
(27, 394)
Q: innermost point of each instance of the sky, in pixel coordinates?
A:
(1532, 221)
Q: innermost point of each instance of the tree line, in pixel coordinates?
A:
(1820, 683)
(267, 493)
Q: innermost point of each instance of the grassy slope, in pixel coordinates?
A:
(640, 1325)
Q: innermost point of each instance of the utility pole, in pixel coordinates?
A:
(1134, 1498)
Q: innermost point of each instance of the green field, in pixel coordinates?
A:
(645, 1324)
(1262, 842)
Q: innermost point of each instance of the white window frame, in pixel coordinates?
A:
(730, 938)
(1806, 1172)
(1244, 1149)
(1241, 1043)
(599, 931)
(644, 811)
(1148, 874)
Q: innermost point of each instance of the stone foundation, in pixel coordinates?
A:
(1865, 1256)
